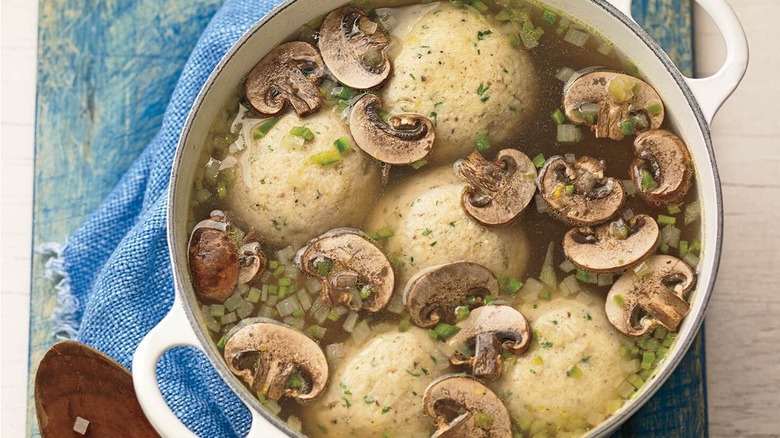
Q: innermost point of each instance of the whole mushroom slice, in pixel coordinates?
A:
(353, 48)
(463, 407)
(352, 269)
(615, 105)
(432, 295)
(276, 360)
(289, 73)
(612, 247)
(216, 263)
(663, 170)
(488, 332)
(402, 139)
(636, 306)
(499, 191)
(579, 193)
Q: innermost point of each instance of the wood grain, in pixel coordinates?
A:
(106, 69)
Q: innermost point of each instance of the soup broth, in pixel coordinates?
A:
(564, 305)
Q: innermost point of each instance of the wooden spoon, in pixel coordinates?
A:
(75, 381)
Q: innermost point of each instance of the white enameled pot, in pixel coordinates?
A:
(691, 105)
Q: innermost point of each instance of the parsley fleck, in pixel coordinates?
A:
(386, 409)
(426, 232)
(546, 344)
(482, 34)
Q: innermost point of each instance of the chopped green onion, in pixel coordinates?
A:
(444, 331)
(635, 381)
(344, 93)
(574, 372)
(549, 16)
(461, 312)
(587, 277)
(619, 300)
(673, 209)
(537, 361)
(284, 282)
(648, 358)
(316, 331)
(418, 164)
(569, 190)
(695, 246)
(325, 158)
(263, 128)
(483, 421)
(631, 68)
(692, 212)
(683, 248)
(483, 144)
(303, 132)
(278, 271)
(273, 264)
(403, 326)
(513, 285)
(666, 220)
(627, 127)
(222, 189)
(558, 117)
(342, 144)
(222, 341)
(648, 182)
(366, 291)
(664, 248)
(294, 381)
(504, 15)
(323, 267)
(381, 233)
(539, 161)
(621, 89)
(298, 313)
(472, 300)
(545, 294)
(655, 109)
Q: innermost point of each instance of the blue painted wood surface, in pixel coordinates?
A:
(106, 69)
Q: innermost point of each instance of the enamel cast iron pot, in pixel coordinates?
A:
(690, 104)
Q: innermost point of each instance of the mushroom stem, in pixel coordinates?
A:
(487, 359)
(669, 309)
(273, 379)
(456, 428)
(485, 176)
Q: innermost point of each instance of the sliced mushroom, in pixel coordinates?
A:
(612, 247)
(432, 294)
(353, 47)
(352, 269)
(276, 360)
(216, 264)
(402, 139)
(463, 407)
(579, 193)
(213, 259)
(637, 305)
(499, 191)
(289, 73)
(613, 104)
(488, 332)
(662, 171)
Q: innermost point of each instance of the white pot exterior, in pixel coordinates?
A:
(184, 326)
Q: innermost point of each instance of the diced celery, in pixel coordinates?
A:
(482, 142)
(558, 117)
(539, 161)
(549, 16)
(325, 158)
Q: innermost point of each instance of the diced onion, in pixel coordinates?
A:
(295, 423)
(576, 37)
(396, 304)
(272, 300)
(570, 158)
(335, 351)
(565, 74)
(321, 314)
(211, 171)
(350, 321)
(292, 142)
(626, 390)
(632, 366)
(442, 361)
(245, 309)
(611, 406)
(288, 305)
(692, 212)
(691, 259)
(605, 48)
(361, 332)
(530, 290)
(80, 426)
(569, 134)
(629, 187)
(313, 285)
(605, 279)
(541, 204)
(304, 299)
(285, 255)
(272, 406)
(296, 323)
(266, 312)
(228, 162)
(445, 349)
(594, 418)
(571, 284)
(567, 266)
(584, 298)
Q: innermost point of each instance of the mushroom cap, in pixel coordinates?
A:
(265, 353)
(595, 198)
(290, 74)
(403, 140)
(666, 157)
(251, 261)
(344, 43)
(432, 294)
(598, 249)
(490, 330)
(499, 191)
(213, 260)
(636, 306)
(353, 256)
(633, 99)
(463, 407)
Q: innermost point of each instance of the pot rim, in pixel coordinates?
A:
(632, 405)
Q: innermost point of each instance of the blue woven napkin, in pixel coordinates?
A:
(118, 277)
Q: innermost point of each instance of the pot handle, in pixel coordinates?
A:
(173, 331)
(712, 92)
